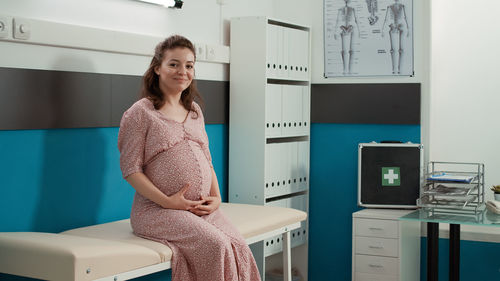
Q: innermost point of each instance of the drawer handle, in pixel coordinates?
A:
(375, 247)
(375, 228)
(375, 265)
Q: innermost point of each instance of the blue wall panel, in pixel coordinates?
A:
(333, 191)
(61, 179)
(478, 260)
(218, 136)
(54, 180)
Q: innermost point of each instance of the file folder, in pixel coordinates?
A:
(297, 109)
(272, 50)
(287, 108)
(285, 52)
(304, 54)
(273, 110)
(303, 160)
(294, 166)
(267, 170)
(306, 114)
(285, 167)
(294, 53)
(280, 45)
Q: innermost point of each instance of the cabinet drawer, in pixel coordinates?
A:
(387, 247)
(376, 228)
(374, 277)
(377, 265)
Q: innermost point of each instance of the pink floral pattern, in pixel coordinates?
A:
(171, 154)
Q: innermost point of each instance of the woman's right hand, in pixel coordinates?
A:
(179, 202)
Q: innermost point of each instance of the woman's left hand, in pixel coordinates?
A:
(211, 204)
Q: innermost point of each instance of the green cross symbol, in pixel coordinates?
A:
(391, 176)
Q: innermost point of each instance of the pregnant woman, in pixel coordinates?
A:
(164, 155)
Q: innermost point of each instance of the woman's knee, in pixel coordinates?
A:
(218, 242)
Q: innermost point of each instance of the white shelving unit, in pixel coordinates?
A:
(383, 247)
(269, 125)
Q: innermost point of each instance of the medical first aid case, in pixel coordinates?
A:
(390, 174)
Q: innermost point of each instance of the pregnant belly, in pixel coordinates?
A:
(182, 164)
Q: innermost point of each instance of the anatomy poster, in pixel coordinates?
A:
(368, 37)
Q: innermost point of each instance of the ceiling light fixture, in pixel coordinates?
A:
(175, 4)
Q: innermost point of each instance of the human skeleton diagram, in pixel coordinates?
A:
(346, 17)
(398, 25)
(372, 9)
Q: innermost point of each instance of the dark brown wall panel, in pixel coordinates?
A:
(43, 99)
(215, 95)
(35, 99)
(124, 92)
(47, 99)
(366, 103)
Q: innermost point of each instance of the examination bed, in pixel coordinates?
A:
(111, 251)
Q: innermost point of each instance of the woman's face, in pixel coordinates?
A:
(176, 71)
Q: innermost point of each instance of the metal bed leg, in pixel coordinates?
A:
(454, 252)
(287, 259)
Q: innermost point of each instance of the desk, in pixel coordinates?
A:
(483, 218)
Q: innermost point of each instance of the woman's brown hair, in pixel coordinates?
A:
(150, 81)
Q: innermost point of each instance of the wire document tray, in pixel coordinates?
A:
(453, 187)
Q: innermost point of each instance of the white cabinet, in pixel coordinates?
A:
(269, 125)
(383, 247)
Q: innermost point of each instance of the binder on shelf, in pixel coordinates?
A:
(280, 45)
(285, 168)
(292, 110)
(297, 110)
(267, 170)
(294, 167)
(304, 54)
(292, 103)
(272, 50)
(269, 110)
(303, 159)
(285, 53)
(275, 168)
(273, 110)
(305, 110)
(294, 53)
(287, 110)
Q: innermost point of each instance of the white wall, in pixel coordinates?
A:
(465, 84)
(202, 21)
(457, 64)
(463, 65)
(311, 13)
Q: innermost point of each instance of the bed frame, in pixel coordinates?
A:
(111, 252)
